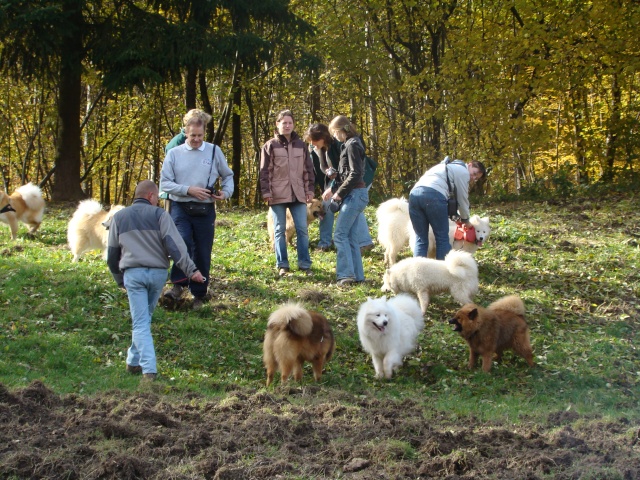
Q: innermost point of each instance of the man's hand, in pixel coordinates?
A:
(198, 192)
(197, 277)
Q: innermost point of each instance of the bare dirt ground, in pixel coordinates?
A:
(299, 432)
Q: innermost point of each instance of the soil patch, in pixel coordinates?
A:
(293, 432)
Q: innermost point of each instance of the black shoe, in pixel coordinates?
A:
(343, 282)
(307, 272)
(283, 272)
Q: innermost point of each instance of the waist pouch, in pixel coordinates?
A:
(197, 209)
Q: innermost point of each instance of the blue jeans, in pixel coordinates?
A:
(299, 214)
(326, 228)
(197, 233)
(144, 286)
(429, 207)
(349, 262)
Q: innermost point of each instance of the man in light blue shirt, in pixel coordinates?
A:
(188, 176)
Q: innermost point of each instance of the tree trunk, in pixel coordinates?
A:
(612, 128)
(66, 181)
(236, 139)
(190, 88)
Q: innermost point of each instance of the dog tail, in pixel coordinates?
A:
(88, 208)
(392, 205)
(460, 263)
(293, 317)
(512, 303)
(32, 196)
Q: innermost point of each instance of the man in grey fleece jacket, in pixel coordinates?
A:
(141, 238)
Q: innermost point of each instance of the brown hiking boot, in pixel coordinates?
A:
(174, 293)
(134, 369)
(198, 303)
(149, 377)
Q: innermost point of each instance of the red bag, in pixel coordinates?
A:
(468, 234)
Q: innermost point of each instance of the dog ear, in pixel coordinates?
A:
(473, 314)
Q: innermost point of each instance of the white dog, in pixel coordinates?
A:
(457, 273)
(394, 228)
(26, 205)
(88, 228)
(395, 231)
(388, 330)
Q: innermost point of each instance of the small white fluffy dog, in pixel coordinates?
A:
(26, 205)
(388, 330)
(395, 231)
(88, 228)
(457, 273)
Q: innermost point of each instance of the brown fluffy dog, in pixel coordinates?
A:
(88, 228)
(492, 330)
(26, 205)
(295, 335)
(314, 210)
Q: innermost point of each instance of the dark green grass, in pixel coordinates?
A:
(576, 267)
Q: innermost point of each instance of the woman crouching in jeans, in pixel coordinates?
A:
(350, 192)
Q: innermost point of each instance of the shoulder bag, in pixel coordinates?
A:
(452, 201)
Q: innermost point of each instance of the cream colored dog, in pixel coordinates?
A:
(26, 205)
(394, 228)
(423, 277)
(314, 210)
(89, 228)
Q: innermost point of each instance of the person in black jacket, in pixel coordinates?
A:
(349, 193)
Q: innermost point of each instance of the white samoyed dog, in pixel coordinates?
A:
(395, 231)
(388, 330)
(457, 273)
(394, 228)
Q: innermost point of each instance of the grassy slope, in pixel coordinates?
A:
(576, 267)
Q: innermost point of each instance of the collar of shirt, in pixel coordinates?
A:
(189, 147)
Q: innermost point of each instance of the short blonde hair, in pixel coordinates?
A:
(196, 117)
(342, 128)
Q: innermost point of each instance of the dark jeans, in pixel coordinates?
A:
(197, 233)
(429, 207)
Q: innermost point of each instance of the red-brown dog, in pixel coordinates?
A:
(492, 330)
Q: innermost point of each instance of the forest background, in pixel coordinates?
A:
(543, 92)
